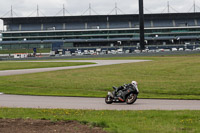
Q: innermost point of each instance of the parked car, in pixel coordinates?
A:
(188, 49)
(174, 49)
(198, 48)
(180, 49)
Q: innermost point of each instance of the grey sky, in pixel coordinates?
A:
(77, 7)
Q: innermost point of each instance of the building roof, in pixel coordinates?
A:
(99, 18)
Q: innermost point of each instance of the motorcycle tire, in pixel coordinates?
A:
(131, 98)
(109, 99)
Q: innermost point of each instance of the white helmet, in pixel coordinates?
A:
(134, 82)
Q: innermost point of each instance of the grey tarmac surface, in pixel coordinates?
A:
(94, 103)
(36, 70)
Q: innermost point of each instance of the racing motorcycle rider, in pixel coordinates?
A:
(124, 87)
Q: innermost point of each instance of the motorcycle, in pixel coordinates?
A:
(127, 93)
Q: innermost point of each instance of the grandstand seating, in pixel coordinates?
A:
(30, 27)
(147, 24)
(198, 21)
(119, 25)
(52, 26)
(13, 27)
(97, 25)
(104, 24)
(75, 29)
(182, 23)
(75, 26)
(162, 23)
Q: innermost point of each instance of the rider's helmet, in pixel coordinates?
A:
(134, 83)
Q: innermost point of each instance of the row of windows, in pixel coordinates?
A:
(102, 37)
(89, 33)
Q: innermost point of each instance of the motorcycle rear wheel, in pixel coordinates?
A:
(131, 98)
(109, 99)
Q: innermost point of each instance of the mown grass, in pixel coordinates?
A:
(117, 121)
(175, 77)
(29, 65)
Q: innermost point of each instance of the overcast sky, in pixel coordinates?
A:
(27, 8)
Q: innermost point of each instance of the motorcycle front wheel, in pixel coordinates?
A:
(131, 98)
(109, 99)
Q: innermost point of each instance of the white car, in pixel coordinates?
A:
(174, 49)
(160, 50)
(137, 51)
(151, 51)
(198, 48)
(188, 50)
(180, 49)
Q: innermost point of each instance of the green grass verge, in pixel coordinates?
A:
(29, 65)
(164, 77)
(117, 121)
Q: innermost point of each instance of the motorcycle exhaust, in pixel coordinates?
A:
(121, 99)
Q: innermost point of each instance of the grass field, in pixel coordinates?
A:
(117, 121)
(174, 77)
(29, 65)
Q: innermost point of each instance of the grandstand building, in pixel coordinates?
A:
(99, 30)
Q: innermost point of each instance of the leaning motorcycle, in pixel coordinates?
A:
(127, 94)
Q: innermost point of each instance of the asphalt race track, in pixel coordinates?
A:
(88, 103)
(94, 103)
